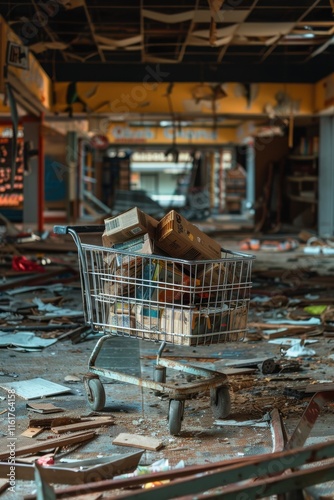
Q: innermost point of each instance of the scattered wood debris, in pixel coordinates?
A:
(48, 444)
(137, 441)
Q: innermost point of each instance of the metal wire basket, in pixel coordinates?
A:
(158, 298)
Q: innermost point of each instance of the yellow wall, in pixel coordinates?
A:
(144, 97)
(191, 136)
(324, 94)
(35, 80)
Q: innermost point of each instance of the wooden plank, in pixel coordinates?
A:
(89, 496)
(229, 466)
(49, 422)
(3, 485)
(31, 432)
(278, 332)
(48, 444)
(44, 407)
(78, 472)
(92, 424)
(137, 441)
(39, 279)
(320, 387)
(236, 371)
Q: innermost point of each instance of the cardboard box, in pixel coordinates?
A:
(122, 323)
(148, 317)
(174, 285)
(179, 325)
(142, 245)
(121, 318)
(134, 321)
(128, 225)
(192, 326)
(238, 323)
(181, 239)
(122, 281)
(147, 283)
(212, 275)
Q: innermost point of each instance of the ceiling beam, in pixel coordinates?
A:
(320, 49)
(190, 29)
(142, 32)
(299, 20)
(92, 31)
(47, 30)
(223, 51)
(278, 71)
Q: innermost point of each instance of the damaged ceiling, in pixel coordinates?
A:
(191, 40)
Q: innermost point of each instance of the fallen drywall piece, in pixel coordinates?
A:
(35, 388)
(25, 340)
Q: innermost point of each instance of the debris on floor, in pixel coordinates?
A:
(34, 388)
(284, 245)
(137, 441)
(285, 364)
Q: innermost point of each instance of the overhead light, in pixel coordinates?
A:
(299, 36)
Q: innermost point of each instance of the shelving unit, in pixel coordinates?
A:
(11, 196)
(303, 188)
(235, 182)
(302, 180)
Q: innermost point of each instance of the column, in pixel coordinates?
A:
(250, 184)
(326, 178)
(33, 181)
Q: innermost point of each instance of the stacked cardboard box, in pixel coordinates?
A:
(154, 288)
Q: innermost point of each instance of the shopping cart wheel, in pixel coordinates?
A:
(175, 416)
(159, 376)
(95, 394)
(220, 401)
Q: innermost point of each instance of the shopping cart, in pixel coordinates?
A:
(165, 300)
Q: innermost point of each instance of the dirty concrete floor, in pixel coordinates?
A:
(139, 411)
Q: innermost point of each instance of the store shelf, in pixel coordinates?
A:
(300, 184)
(303, 157)
(11, 196)
(302, 178)
(304, 199)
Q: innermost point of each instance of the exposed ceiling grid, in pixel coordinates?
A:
(83, 37)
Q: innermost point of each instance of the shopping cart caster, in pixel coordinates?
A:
(96, 395)
(159, 376)
(220, 401)
(175, 416)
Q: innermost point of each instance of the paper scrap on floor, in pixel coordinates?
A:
(299, 350)
(53, 311)
(291, 342)
(35, 388)
(283, 321)
(24, 340)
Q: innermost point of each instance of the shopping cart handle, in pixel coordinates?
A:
(78, 229)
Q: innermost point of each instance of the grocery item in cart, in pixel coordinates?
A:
(181, 239)
(128, 225)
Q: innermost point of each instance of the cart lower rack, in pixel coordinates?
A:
(157, 298)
